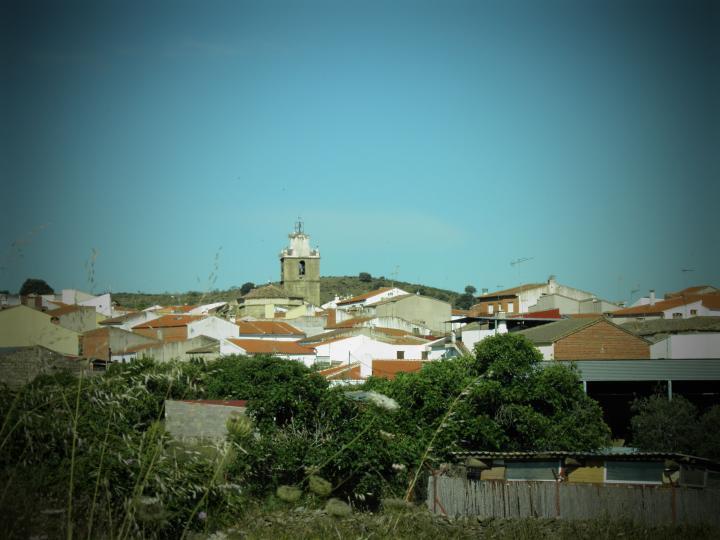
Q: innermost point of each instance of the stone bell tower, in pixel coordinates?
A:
(300, 267)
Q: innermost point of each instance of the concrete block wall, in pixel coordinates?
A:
(192, 420)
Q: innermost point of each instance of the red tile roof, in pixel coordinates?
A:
(698, 289)
(710, 301)
(546, 314)
(342, 372)
(512, 291)
(365, 296)
(388, 369)
(267, 346)
(349, 323)
(65, 309)
(170, 321)
(268, 328)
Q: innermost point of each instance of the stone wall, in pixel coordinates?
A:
(19, 366)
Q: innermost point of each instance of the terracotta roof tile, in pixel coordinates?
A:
(710, 301)
(267, 346)
(170, 321)
(350, 323)
(268, 328)
(269, 291)
(512, 291)
(65, 309)
(364, 296)
(342, 372)
(389, 369)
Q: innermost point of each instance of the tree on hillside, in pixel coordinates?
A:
(464, 301)
(35, 286)
(246, 288)
(365, 277)
(469, 289)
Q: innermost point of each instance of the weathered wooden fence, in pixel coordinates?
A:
(654, 505)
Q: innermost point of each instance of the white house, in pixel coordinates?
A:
(363, 349)
(677, 307)
(289, 350)
(700, 345)
(213, 327)
(127, 322)
(272, 330)
(520, 299)
(369, 298)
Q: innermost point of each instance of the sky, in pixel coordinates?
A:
(171, 146)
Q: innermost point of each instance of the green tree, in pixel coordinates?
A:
(469, 289)
(464, 301)
(278, 391)
(35, 286)
(709, 444)
(365, 277)
(507, 402)
(665, 426)
(246, 288)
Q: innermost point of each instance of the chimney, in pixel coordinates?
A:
(652, 297)
(552, 285)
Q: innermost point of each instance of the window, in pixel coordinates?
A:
(490, 308)
(301, 268)
(693, 312)
(424, 355)
(677, 315)
(532, 470)
(634, 472)
(510, 307)
(401, 355)
(416, 331)
(692, 477)
(499, 306)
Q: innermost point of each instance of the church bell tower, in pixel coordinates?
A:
(300, 267)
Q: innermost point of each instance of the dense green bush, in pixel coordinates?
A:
(663, 425)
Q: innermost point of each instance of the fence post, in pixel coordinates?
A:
(557, 498)
(673, 502)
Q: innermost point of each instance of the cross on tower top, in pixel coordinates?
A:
(299, 226)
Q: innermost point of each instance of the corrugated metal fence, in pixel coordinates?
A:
(654, 505)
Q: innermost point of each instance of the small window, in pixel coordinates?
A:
(401, 355)
(693, 312)
(634, 472)
(416, 331)
(301, 268)
(490, 308)
(677, 315)
(532, 470)
(510, 307)
(424, 355)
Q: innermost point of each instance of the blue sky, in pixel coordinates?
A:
(443, 138)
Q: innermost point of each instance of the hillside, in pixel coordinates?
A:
(329, 287)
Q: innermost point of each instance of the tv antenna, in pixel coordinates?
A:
(521, 260)
(517, 262)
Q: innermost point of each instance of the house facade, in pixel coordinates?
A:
(587, 339)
